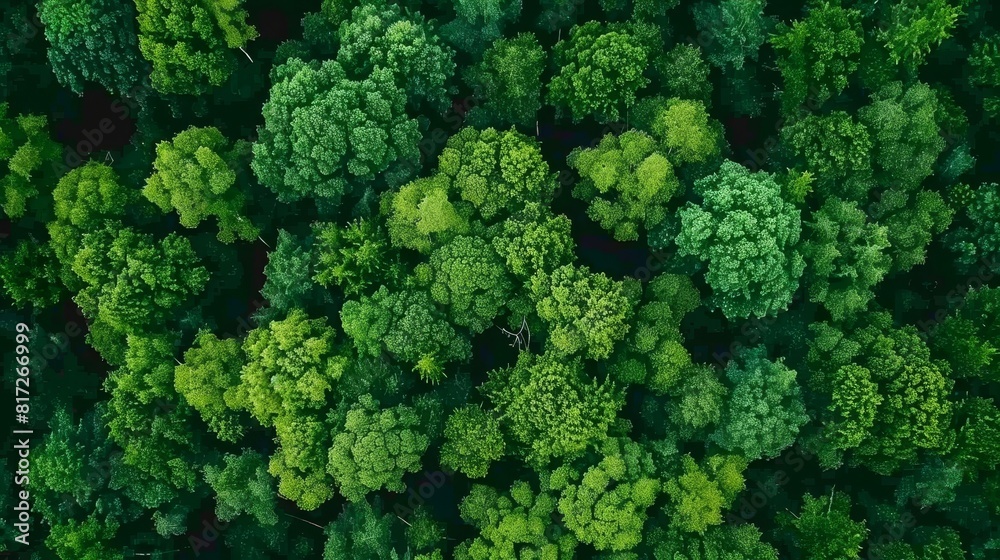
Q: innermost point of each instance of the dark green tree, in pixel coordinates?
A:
(824, 528)
(26, 152)
(472, 441)
(509, 79)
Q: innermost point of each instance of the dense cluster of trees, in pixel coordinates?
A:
(804, 364)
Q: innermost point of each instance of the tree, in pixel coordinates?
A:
(379, 34)
(684, 73)
(289, 273)
(408, 325)
(551, 408)
(765, 409)
(375, 448)
(698, 400)
(853, 406)
(134, 284)
(825, 529)
(497, 172)
(243, 486)
(190, 45)
(30, 274)
(469, 279)
(155, 427)
(917, 25)
(905, 132)
(324, 134)
(984, 64)
(736, 28)
(654, 352)
(90, 539)
(836, 150)
(605, 506)
(78, 55)
(509, 78)
(534, 240)
(472, 441)
(362, 531)
(818, 55)
(739, 541)
(207, 380)
(479, 23)
(196, 175)
(846, 257)
(626, 182)
(685, 132)
(520, 520)
(915, 414)
(600, 71)
(25, 147)
(586, 313)
(911, 221)
(292, 365)
(978, 441)
(969, 338)
(85, 198)
(977, 238)
(698, 495)
(420, 216)
(356, 258)
(746, 233)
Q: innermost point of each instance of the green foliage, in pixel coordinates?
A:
(509, 78)
(746, 233)
(915, 413)
(25, 151)
(84, 198)
(207, 380)
(846, 257)
(243, 486)
(698, 400)
(376, 448)
(356, 257)
(196, 175)
(698, 495)
(586, 313)
(472, 441)
(626, 182)
(190, 44)
(479, 23)
(905, 132)
(134, 284)
(739, 542)
(976, 240)
(289, 273)
(291, 368)
(654, 353)
(969, 338)
(735, 29)
(933, 485)
(836, 150)
(551, 408)
(535, 240)
(520, 520)
(408, 325)
(324, 134)
(684, 73)
(362, 531)
(978, 440)
(817, 55)
(764, 410)
(421, 217)
(686, 133)
(824, 527)
(605, 506)
(30, 274)
(379, 35)
(915, 26)
(600, 71)
(470, 281)
(90, 539)
(497, 172)
(911, 221)
(92, 41)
